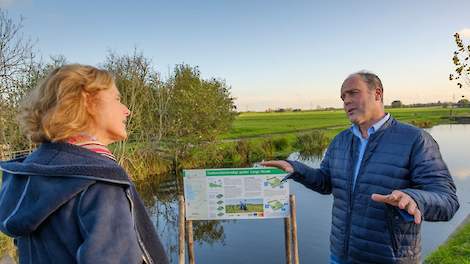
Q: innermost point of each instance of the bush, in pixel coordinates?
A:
(312, 144)
(280, 143)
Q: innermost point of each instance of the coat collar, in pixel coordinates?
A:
(67, 160)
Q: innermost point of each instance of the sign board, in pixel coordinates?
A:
(237, 193)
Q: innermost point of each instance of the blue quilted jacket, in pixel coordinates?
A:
(397, 157)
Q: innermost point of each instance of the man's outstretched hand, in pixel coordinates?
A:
(280, 164)
(402, 201)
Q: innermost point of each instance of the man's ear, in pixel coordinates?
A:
(378, 94)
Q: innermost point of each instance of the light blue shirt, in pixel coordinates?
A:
(362, 147)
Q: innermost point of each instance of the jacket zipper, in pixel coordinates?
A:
(348, 215)
(146, 257)
(392, 235)
(352, 192)
(352, 195)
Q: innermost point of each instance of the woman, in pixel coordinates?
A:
(69, 201)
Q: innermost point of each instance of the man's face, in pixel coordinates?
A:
(360, 103)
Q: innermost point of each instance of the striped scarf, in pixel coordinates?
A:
(92, 144)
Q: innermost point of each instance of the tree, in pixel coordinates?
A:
(169, 117)
(16, 54)
(138, 83)
(199, 110)
(463, 103)
(16, 77)
(461, 63)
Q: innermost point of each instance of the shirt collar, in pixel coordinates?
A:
(372, 129)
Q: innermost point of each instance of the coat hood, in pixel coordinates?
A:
(35, 186)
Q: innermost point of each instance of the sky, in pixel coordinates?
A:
(272, 53)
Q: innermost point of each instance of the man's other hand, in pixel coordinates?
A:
(402, 201)
(280, 164)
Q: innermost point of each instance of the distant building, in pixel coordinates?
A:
(396, 104)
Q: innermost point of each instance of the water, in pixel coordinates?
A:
(262, 241)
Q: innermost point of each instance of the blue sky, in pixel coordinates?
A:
(272, 53)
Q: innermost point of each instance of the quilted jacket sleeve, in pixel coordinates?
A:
(319, 179)
(432, 186)
(107, 226)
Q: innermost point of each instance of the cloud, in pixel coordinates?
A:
(465, 33)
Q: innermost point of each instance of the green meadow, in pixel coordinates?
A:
(260, 124)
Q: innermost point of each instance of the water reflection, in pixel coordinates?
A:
(160, 196)
(461, 173)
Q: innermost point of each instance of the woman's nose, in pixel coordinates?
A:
(127, 112)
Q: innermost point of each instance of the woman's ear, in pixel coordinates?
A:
(90, 104)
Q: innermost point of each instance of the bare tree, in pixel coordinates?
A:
(17, 75)
(16, 54)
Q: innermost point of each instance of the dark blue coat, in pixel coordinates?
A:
(66, 204)
(397, 157)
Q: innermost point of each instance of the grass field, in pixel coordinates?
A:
(455, 250)
(258, 124)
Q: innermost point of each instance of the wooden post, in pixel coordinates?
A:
(293, 214)
(189, 229)
(181, 219)
(288, 239)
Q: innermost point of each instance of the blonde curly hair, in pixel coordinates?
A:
(56, 109)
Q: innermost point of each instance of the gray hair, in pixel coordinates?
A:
(371, 79)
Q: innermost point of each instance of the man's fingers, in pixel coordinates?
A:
(404, 202)
(412, 208)
(378, 197)
(281, 164)
(396, 195)
(390, 199)
(381, 198)
(417, 215)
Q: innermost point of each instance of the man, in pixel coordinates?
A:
(386, 177)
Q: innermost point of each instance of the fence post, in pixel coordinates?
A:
(288, 239)
(189, 230)
(295, 243)
(181, 233)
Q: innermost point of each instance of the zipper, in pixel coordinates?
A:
(391, 231)
(348, 215)
(348, 219)
(352, 193)
(146, 257)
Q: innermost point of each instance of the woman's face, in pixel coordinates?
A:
(109, 116)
